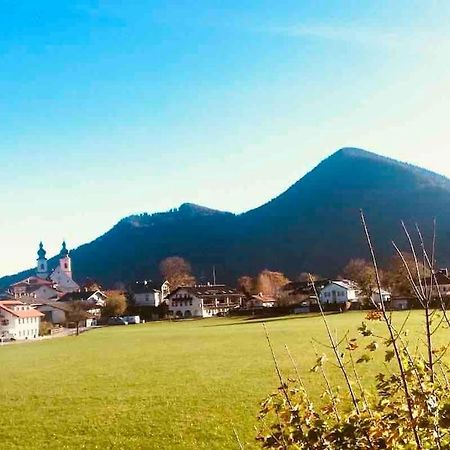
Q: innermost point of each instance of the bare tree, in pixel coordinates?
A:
(177, 271)
(270, 283)
(115, 306)
(246, 285)
(77, 314)
(363, 273)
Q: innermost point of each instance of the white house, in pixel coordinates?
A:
(442, 279)
(203, 301)
(148, 293)
(35, 286)
(341, 291)
(94, 301)
(19, 320)
(57, 313)
(385, 296)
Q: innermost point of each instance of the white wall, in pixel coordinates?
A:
(333, 293)
(147, 299)
(20, 329)
(183, 303)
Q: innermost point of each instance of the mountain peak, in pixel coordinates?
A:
(355, 152)
(192, 209)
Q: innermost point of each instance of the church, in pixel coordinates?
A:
(48, 284)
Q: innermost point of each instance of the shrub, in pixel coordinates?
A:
(411, 405)
(45, 328)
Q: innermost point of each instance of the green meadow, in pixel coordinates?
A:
(165, 385)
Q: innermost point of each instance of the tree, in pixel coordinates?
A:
(305, 276)
(360, 271)
(77, 313)
(270, 283)
(115, 306)
(246, 285)
(177, 271)
(396, 274)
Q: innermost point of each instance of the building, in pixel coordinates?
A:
(203, 301)
(260, 301)
(18, 320)
(35, 287)
(442, 279)
(339, 292)
(148, 293)
(62, 274)
(94, 301)
(376, 299)
(400, 303)
(57, 313)
(48, 284)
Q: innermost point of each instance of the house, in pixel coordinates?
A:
(260, 301)
(376, 299)
(301, 290)
(339, 291)
(203, 301)
(148, 293)
(400, 303)
(57, 313)
(94, 300)
(442, 279)
(37, 287)
(19, 320)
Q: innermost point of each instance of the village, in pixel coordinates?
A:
(52, 303)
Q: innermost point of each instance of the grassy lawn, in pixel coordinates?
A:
(179, 385)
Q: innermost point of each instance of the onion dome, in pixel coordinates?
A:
(41, 252)
(64, 252)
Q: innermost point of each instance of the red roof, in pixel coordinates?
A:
(8, 305)
(33, 281)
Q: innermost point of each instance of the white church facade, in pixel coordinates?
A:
(48, 284)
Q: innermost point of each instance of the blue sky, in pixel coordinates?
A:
(110, 108)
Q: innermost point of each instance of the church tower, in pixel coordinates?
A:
(65, 262)
(42, 263)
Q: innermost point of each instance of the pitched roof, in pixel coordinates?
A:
(75, 296)
(58, 305)
(10, 305)
(216, 290)
(304, 287)
(346, 284)
(35, 281)
(144, 287)
(441, 279)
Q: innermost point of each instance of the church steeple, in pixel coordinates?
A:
(64, 253)
(64, 260)
(42, 263)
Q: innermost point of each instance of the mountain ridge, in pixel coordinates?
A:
(313, 225)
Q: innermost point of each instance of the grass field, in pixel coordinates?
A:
(179, 385)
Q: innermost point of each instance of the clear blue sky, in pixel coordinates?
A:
(109, 108)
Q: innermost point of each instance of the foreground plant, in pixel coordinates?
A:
(407, 406)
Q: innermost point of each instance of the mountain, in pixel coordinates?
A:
(313, 226)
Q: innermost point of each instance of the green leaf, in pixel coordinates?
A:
(363, 358)
(372, 346)
(389, 355)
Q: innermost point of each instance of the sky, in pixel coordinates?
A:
(110, 108)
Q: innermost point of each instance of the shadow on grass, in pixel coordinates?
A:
(259, 319)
